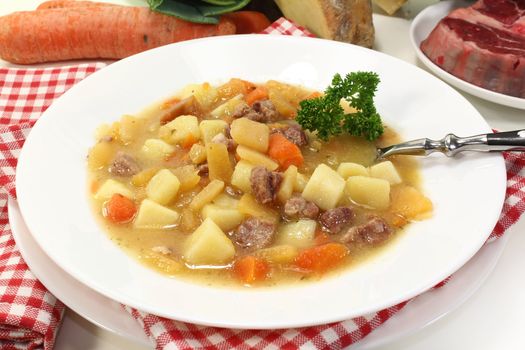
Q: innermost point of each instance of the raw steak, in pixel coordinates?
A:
(483, 44)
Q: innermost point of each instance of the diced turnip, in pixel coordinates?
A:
(152, 215)
(299, 234)
(351, 169)
(251, 134)
(183, 130)
(156, 150)
(163, 187)
(387, 171)
(325, 187)
(369, 191)
(226, 218)
(256, 158)
(241, 176)
(110, 187)
(208, 245)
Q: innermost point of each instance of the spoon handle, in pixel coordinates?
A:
(452, 144)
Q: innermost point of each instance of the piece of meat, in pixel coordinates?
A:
(221, 138)
(203, 169)
(375, 231)
(335, 219)
(124, 165)
(295, 134)
(298, 207)
(265, 184)
(254, 233)
(483, 44)
(261, 111)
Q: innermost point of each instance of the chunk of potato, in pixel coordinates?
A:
(325, 187)
(197, 153)
(279, 254)
(152, 215)
(110, 187)
(206, 195)
(249, 206)
(183, 130)
(226, 218)
(300, 182)
(228, 107)
(210, 128)
(286, 97)
(101, 155)
(163, 187)
(256, 158)
(287, 185)
(142, 178)
(351, 169)
(156, 150)
(205, 94)
(369, 191)
(251, 134)
(223, 200)
(219, 164)
(130, 127)
(233, 87)
(241, 176)
(188, 176)
(298, 234)
(208, 245)
(386, 170)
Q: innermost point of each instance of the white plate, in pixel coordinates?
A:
(468, 193)
(421, 27)
(108, 314)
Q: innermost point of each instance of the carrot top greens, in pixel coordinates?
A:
(198, 11)
(326, 116)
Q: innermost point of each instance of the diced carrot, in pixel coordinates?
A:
(93, 186)
(260, 93)
(94, 31)
(248, 86)
(189, 141)
(321, 258)
(119, 209)
(284, 151)
(250, 269)
(247, 22)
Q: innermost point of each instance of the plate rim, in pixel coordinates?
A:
(478, 91)
(303, 322)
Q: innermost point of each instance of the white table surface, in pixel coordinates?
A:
(493, 318)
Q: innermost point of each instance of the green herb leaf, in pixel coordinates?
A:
(220, 2)
(153, 4)
(214, 10)
(184, 9)
(325, 115)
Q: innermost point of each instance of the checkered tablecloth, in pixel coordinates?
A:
(30, 316)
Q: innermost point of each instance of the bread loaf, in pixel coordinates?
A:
(342, 20)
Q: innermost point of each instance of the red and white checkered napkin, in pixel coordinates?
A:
(30, 316)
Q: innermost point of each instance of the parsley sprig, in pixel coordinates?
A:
(326, 116)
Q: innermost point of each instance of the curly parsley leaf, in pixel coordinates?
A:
(325, 115)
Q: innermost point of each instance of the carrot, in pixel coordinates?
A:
(83, 32)
(259, 93)
(119, 209)
(284, 151)
(56, 4)
(250, 269)
(248, 22)
(321, 258)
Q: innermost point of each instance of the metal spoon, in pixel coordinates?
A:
(452, 144)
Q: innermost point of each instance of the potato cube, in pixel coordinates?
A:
(298, 234)
(219, 164)
(207, 194)
(152, 215)
(163, 187)
(256, 158)
(208, 245)
(204, 93)
(249, 206)
(351, 169)
(325, 187)
(130, 127)
(210, 128)
(156, 150)
(101, 155)
(287, 185)
(110, 187)
(369, 191)
(228, 107)
(183, 130)
(197, 153)
(226, 218)
(386, 170)
(251, 134)
(188, 176)
(241, 176)
(279, 254)
(225, 201)
(300, 182)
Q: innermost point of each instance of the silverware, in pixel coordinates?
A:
(452, 144)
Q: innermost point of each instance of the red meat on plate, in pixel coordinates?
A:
(483, 44)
